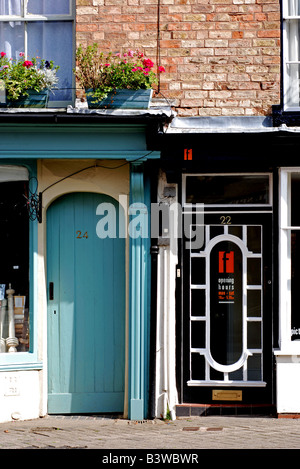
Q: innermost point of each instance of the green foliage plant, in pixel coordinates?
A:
(20, 76)
(105, 73)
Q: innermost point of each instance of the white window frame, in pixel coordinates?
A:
(25, 17)
(285, 342)
(288, 88)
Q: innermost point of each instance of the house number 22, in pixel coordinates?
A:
(225, 220)
(79, 235)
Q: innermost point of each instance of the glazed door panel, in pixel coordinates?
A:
(227, 309)
(86, 308)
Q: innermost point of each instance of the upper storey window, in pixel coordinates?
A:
(291, 54)
(44, 29)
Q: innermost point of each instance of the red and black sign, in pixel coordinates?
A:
(226, 262)
(226, 283)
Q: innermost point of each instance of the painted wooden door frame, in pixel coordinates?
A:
(139, 303)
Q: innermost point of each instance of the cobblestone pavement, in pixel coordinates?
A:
(95, 432)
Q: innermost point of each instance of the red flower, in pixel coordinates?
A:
(148, 63)
(27, 63)
(161, 68)
(3, 54)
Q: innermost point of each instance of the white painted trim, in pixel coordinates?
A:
(210, 245)
(218, 212)
(209, 361)
(244, 384)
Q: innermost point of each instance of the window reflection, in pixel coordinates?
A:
(293, 7)
(14, 267)
(295, 282)
(222, 190)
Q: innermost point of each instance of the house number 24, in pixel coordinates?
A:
(80, 235)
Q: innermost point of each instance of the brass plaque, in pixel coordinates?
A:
(222, 395)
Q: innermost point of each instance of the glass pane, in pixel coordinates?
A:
(293, 40)
(49, 7)
(10, 7)
(236, 231)
(198, 271)
(215, 230)
(253, 271)
(254, 335)
(236, 375)
(198, 334)
(254, 367)
(14, 268)
(220, 190)
(292, 97)
(216, 375)
(53, 41)
(254, 239)
(12, 39)
(292, 69)
(254, 303)
(195, 235)
(198, 366)
(295, 282)
(295, 197)
(198, 302)
(293, 7)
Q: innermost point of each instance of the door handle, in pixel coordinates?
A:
(51, 290)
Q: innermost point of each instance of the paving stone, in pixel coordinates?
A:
(193, 433)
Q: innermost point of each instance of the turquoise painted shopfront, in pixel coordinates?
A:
(90, 300)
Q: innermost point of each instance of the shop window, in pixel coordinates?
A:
(41, 28)
(294, 235)
(290, 256)
(291, 54)
(14, 265)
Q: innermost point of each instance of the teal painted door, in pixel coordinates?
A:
(86, 307)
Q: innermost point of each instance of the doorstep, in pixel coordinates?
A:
(189, 410)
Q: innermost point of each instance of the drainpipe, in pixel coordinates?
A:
(169, 336)
(166, 332)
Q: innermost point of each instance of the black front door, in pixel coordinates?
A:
(226, 308)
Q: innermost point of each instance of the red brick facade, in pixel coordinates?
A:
(222, 57)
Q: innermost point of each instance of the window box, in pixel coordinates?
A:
(37, 99)
(121, 99)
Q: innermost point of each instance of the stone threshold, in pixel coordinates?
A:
(189, 410)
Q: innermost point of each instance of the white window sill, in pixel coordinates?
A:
(291, 109)
(288, 349)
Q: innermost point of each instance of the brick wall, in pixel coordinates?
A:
(222, 57)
